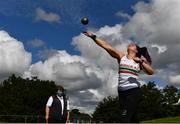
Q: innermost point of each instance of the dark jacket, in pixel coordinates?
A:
(56, 109)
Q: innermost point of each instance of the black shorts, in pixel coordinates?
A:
(129, 101)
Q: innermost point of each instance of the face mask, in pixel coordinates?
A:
(59, 93)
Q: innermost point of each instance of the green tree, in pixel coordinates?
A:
(107, 110)
(20, 96)
(151, 102)
(170, 94)
(76, 116)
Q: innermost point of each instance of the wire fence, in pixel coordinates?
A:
(34, 119)
(22, 118)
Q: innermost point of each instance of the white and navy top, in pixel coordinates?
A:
(128, 74)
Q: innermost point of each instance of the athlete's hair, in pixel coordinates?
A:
(142, 51)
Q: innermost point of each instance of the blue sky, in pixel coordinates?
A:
(17, 17)
(45, 26)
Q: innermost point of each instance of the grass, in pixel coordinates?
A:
(164, 120)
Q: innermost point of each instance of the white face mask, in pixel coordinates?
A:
(60, 93)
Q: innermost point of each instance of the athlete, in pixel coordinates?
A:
(130, 65)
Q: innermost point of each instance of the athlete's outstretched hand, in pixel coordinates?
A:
(87, 33)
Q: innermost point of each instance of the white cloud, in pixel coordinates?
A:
(46, 53)
(155, 25)
(14, 59)
(161, 49)
(142, 7)
(174, 79)
(94, 72)
(36, 43)
(93, 75)
(123, 15)
(42, 15)
(74, 72)
(97, 55)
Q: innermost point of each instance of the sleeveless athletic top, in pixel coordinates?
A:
(128, 74)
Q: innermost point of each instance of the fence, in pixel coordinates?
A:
(22, 118)
(34, 119)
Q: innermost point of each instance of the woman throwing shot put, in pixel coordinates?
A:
(130, 65)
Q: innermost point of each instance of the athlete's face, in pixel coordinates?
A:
(132, 47)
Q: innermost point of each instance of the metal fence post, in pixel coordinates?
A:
(25, 119)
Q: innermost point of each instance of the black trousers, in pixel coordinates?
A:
(129, 101)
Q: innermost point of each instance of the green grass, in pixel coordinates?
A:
(164, 120)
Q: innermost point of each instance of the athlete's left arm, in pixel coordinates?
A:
(145, 65)
(147, 68)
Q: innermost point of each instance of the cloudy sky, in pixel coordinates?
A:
(43, 38)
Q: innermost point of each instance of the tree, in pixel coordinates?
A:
(153, 104)
(170, 96)
(76, 116)
(108, 110)
(20, 96)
